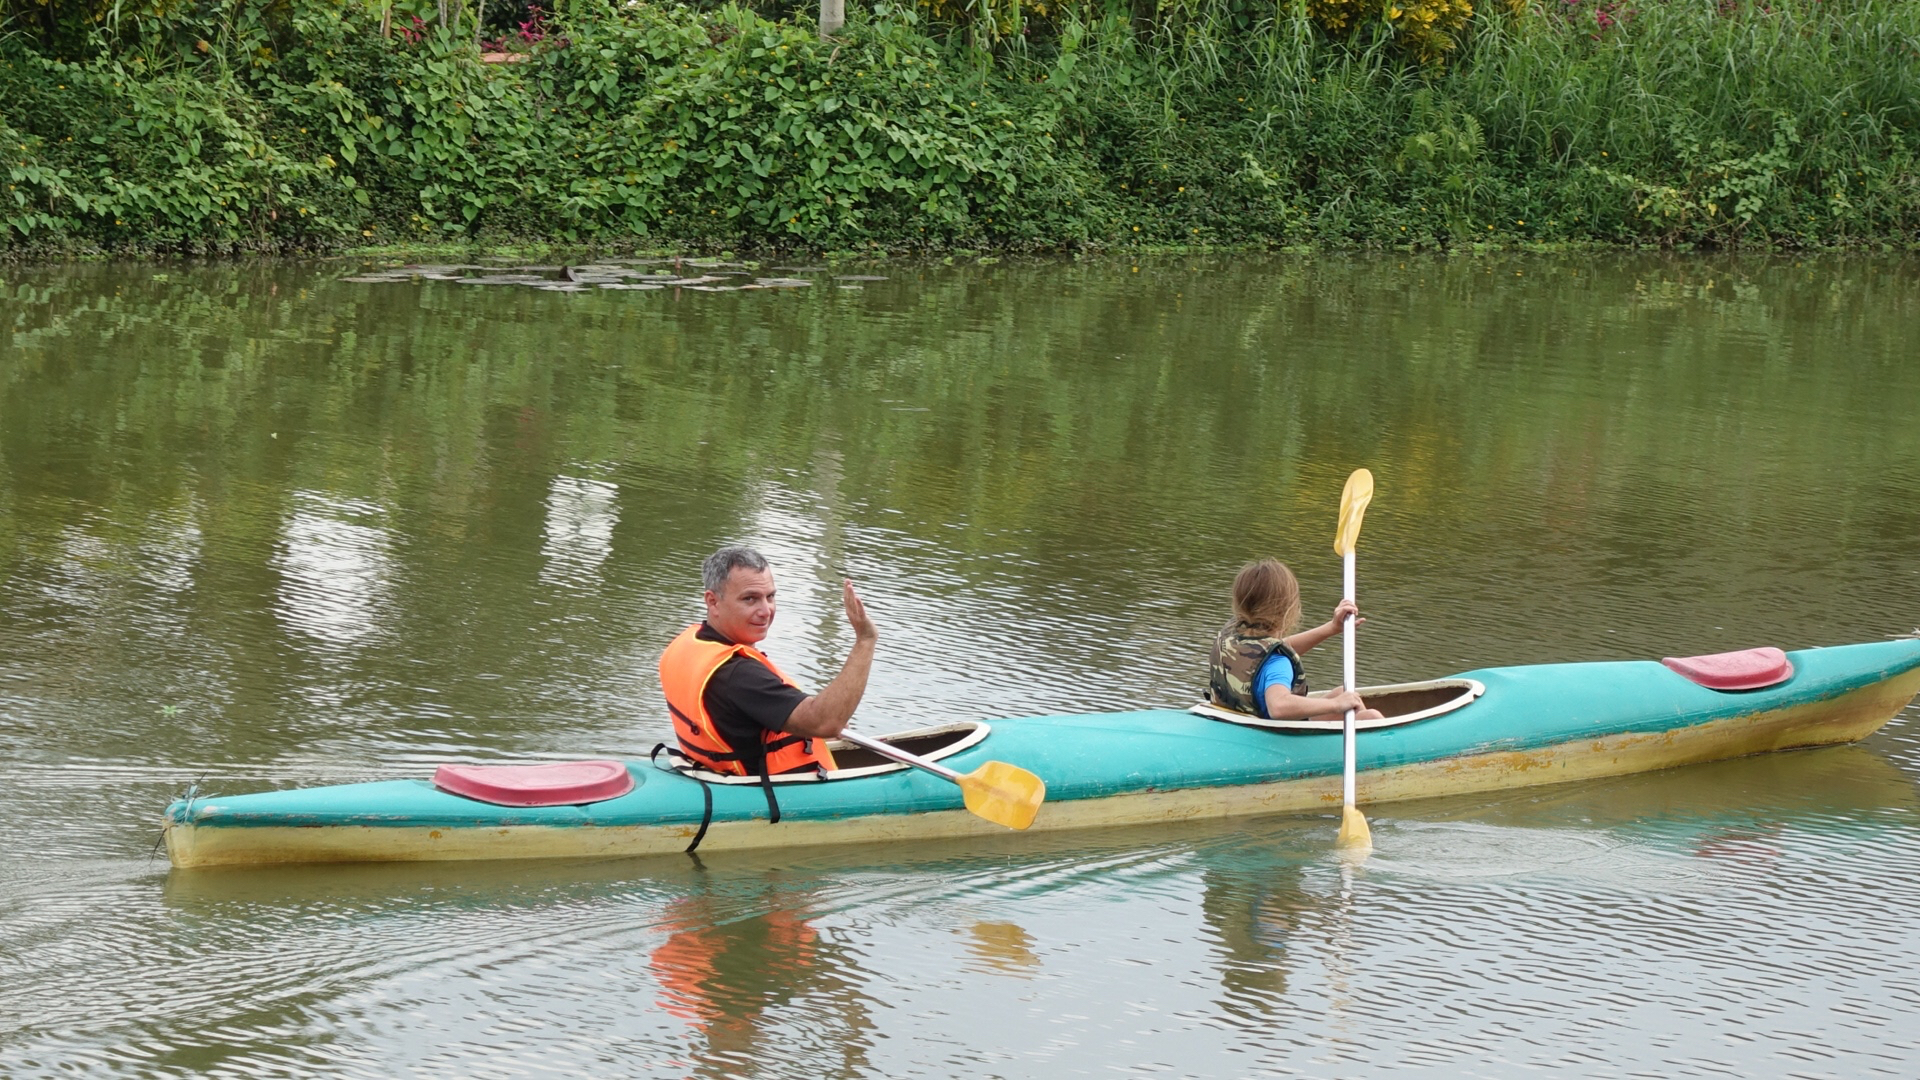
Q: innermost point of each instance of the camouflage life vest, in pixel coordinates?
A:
(1238, 653)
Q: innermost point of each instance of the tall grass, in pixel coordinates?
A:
(1702, 121)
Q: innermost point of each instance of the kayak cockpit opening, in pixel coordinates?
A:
(850, 761)
(1399, 703)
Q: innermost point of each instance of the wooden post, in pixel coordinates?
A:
(833, 16)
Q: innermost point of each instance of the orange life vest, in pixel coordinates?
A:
(685, 667)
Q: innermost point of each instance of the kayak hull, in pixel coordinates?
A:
(1154, 766)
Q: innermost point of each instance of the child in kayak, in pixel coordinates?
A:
(1255, 667)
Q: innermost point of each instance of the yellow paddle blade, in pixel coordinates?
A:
(1354, 833)
(1353, 506)
(1003, 794)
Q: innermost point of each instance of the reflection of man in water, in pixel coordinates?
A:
(777, 948)
(733, 979)
(733, 710)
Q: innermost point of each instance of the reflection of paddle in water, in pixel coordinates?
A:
(1002, 948)
(1340, 939)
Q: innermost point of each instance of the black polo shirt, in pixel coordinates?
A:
(745, 698)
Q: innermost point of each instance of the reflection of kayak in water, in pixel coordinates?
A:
(1487, 730)
(1851, 790)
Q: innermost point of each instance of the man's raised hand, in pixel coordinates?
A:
(863, 629)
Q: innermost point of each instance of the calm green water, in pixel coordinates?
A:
(262, 528)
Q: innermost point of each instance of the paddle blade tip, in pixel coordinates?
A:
(1354, 834)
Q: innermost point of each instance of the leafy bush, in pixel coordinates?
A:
(285, 124)
(641, 121)
(723, 123)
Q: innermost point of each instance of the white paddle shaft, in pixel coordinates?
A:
(1346, 659)
(888, 750)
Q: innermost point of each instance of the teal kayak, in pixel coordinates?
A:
(1483, 730)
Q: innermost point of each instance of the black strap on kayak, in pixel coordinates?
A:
(706, 791)
(706, 817)
(766, 785)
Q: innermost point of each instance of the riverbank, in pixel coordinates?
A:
(301, 128)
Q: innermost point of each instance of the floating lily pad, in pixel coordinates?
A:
(505, 279)
(857, 277)
(561, 286)
(783, 283)
(631, 286)
(597, 273)
(370, 280)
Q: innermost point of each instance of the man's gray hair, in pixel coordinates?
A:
(721, 564)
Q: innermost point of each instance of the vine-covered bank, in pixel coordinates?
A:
(195, 125)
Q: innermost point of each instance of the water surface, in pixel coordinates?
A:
(260, 527)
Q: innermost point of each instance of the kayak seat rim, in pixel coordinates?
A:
(1419, 703)
(932, 743)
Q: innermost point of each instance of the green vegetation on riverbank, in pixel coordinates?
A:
(298, 125)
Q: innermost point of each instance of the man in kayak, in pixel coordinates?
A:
(1255, 666)
(733, 710)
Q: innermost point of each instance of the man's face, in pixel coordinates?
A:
(744, 612)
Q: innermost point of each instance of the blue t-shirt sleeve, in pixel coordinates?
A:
(1277, 671)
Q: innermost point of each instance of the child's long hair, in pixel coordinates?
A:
(1266, 597)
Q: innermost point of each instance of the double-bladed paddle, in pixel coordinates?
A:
(1001, 793)
(1353, 506)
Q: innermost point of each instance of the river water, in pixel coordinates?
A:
(261, 527)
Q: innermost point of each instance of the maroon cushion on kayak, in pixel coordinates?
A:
(1748, 669)
(569, 782)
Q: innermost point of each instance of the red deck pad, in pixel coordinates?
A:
(1748, 669)
(569, 782)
